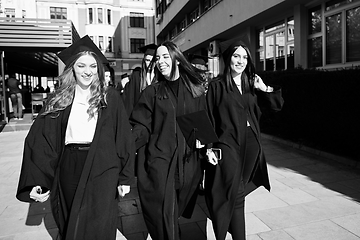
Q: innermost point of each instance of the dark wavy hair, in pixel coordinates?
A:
(248, 78)
(64, 94)
(144, 71)
(193, 80)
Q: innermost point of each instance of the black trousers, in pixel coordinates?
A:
(71, 167)
(237, 223)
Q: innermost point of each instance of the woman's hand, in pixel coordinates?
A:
(37, 195)
(123, 190)
(199, 144)
(259, 84)
(212, 157)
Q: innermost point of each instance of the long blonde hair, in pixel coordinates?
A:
(64, 94)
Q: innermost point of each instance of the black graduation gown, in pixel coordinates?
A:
(154, 121)
(109, 163)
(222, 182)
(132, 91)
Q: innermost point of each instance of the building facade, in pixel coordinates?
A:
(118, 27)
(281, 34)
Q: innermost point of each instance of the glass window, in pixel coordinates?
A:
(290, 56)
(260, 51)
(333, 39)
(315, 52)
(135, 44)
(290, 27)
(100, 15)
(91, 18)
(172, 33)
(109, 16)
(269, 53)
(275, 46)
(58, 13)
(315, 20)
(182, 25)
(10, 12)
(280, 50)
(136, 20)
(101, 42)
(110, 45)
(206, 5)
(353, 35)
(194, 15)
(337, 3)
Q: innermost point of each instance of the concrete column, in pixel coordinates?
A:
(301, 34)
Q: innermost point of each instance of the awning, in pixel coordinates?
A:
(28, 46)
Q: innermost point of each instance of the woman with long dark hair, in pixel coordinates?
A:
(79, 151)
(140, 78)
(234, 112)
(169, 172)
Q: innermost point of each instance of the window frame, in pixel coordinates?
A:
(325, 14)
(100, 15)
(58, 13)
(273, 30)
(135, 44)
(137, 20)
(109, 16)
(91, 15)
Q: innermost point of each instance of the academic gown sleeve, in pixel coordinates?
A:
(125, 145)
(141, 117)
(132, 92)
(40, 155)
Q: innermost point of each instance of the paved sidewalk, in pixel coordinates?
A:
(311, 198)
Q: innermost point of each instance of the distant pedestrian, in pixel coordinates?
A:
(109, 76)
(200, 62)
(39, 89)
(80, 151)
(14, 85)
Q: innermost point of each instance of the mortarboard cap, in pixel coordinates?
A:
(84, 44)
(197, 125)
(198, 59)
(148, 49)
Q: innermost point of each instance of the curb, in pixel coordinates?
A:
(342, 160)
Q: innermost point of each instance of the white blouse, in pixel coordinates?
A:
(80, 128)
(237, 81)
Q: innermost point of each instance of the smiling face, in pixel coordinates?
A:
(238, 61)
(147, 60)
(85, 70)
(164, 63)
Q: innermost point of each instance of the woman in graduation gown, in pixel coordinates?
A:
(235, 114)
(79, 150)
(170, 172)
(139, 79)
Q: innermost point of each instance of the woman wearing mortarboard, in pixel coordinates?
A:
(79, 151)
(139, 79)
